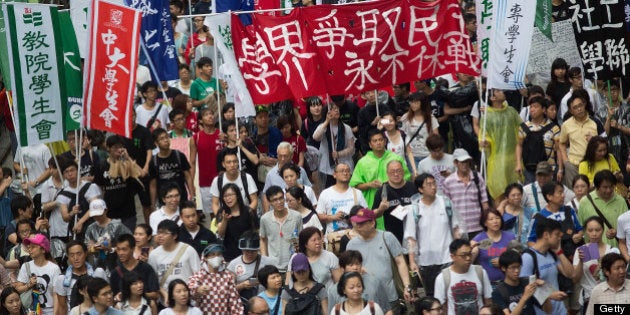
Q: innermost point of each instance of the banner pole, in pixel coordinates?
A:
(217, 91)
(483, 132)
(10, 99)
(56, 161)
(378, 113)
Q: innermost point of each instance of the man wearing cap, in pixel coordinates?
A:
(39, 273)
(266, 138)
(279, 229)
(246, 266)
(467, 190)
(212, 287)
(532, 192)
(377, 248)
(371, 170)
(100, 234)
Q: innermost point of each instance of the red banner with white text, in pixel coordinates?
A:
(111, 67)
(327, 49)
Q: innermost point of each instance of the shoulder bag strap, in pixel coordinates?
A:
(417, 132)
(521, 217)
(478, 184)
(338, 308)
(175, 261)
(599, 212)
(258, 259)
(277, 306)
(535, 193)
(152, 120)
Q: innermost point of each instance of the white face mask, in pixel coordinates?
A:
(215, 262)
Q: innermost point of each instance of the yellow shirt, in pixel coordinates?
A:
(573, 134)
(605, 164)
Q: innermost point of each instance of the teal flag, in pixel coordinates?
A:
(72, 70)
(543, 17)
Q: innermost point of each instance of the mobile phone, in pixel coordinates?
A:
(532, 278)
(144, 251)
(253, 281)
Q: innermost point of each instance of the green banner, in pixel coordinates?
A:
(72, 69)
(4, 56)
(543, 17)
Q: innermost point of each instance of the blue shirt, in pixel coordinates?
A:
(271, 302)
(548, 270)
(558, 216)
(110, 311)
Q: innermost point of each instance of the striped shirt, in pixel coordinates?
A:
(464, 197)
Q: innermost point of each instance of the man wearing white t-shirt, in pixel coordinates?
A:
(469, 287)
(233, 175)
(182, 257)
(151, 114)
(623, 234)
(336, 201)
(439, 164)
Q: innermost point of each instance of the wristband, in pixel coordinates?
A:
(560, 252)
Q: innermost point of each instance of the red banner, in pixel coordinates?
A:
(111, 67)
(328, 49)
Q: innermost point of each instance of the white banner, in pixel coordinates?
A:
(220, 28)
(512, 29)
(37, 76)
(79, 13)
(484, 28)
(543, 51)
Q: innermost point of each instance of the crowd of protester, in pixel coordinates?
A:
(369, 204)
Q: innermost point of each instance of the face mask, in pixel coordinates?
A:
(215, 262)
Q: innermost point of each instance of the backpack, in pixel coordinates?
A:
(304, 304)
(448, 208)
(534, 146)
(565, 284)
(84, 204)
(446, 276)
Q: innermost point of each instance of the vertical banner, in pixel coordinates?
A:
(543, 17)
(4, 48)
(80, 17)
(511, 41)
(219, 25)
(157, 36)
(110, 69)
(72, 71)
(37, 76)
(599, 33)
(484, 27)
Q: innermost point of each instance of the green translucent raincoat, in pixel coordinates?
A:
(502, 137)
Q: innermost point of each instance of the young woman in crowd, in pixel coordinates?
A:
(184, 103)
(235, 219)
(36, 274)
(597, 158)
(559, 85)
(314, 117)
(581, 187)
(396, 139)
(179, 300)
(290, 172)
(516, 218)
(298, 201)
(79, 299)
(351, 287)
(587, 269)
(180, 135)
(170, 197)
(324, 265)
(133, 301)
(304, 283)
(143, 235)
(418, 123)
(227, 112)
(492, 243)
(428, 306)
(10, 303)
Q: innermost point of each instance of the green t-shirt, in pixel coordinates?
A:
(370, 168)
(200, 89)
(611, 210)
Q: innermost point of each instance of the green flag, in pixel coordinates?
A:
(543, 17)
(4, 57)
(72, 69)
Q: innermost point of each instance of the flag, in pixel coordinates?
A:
(72, 71)
(4, 55)
(512, 29)
(37, 78)
(543, 17)
(219, 25)
(110, 69)
(157, 37)
(484, 26)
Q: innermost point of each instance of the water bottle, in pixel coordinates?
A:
(293, 241)
(335, 225)
(101, 251)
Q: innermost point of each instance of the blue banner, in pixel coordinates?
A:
(156, 35)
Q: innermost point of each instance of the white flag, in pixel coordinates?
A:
(512, 29)
(220, 28)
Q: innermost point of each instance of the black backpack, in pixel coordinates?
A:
(84, 204)
(304, 304)
(534, 146)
